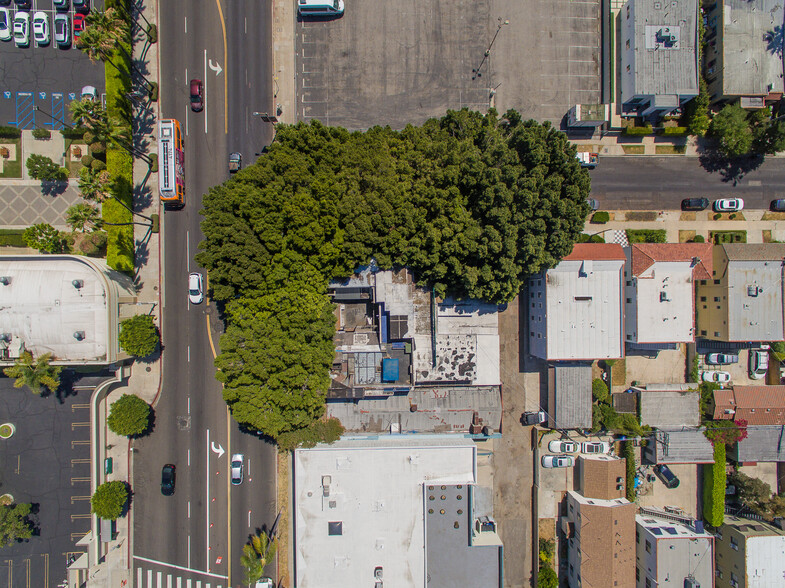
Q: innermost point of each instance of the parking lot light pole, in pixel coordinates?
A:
(499, 26)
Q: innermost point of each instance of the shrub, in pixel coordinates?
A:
(671, 131)
(154, 162)
(87, 160)
(778, 350)
(698, 239)
(109, 500)
(599, 390)
(152, 33)
(714, 488)
(139, 335)
(43, 237)
(73, 133)
(321, 431)
(547, 578)
(10, 132)
(646, 235)
(98, 165)
(42, 168)
(41, 134)
(628, 453)
(97, 148)
(129, 416)
(600, 217)
(88, 137)
(14, 524)
(693, 374)
(647, 130)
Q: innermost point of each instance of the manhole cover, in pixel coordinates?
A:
(184, 423)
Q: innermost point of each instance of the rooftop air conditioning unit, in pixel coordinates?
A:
(5, 280)
(77, 284)
(79, 335)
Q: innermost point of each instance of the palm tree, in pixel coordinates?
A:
(104, 32)
(98, 186)
(93, 116)
(35, 374)
(83, 215)
(256, 555)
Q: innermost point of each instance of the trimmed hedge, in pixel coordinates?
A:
(10, 132)
(41, 134)
(646, 235)
(628, 453)
(671, 131)
(600, 217)
(12, 238)
(73, 133)
(714, 479)
(647, 130)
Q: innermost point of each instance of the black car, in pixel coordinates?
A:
(695, 204)
(666, 476)
(778, 205)
(533, 418)
(167, 479)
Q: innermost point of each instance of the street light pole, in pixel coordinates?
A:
(476, 72)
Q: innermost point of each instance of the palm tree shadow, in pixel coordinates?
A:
(774, 40)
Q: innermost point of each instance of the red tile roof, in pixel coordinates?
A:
(758, 405)
(596, 252)
(644, 255)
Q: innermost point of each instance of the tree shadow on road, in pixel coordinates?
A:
(731, 169)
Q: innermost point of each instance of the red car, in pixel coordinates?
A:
(197, 95)
(78, 24)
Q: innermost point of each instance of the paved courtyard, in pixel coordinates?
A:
(22, 204)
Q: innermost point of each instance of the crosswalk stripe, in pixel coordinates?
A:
(158, 580)
(138, 577)
(150, 578)
(188, 583)
(169, 581)
(179, 582)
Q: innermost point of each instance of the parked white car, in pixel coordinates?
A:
(595, 447)
(22, 29)
(716, 376)
(5, 25)
(557, 461)
(728, 205)
(560, 446)
(759, 363)
(41, 28)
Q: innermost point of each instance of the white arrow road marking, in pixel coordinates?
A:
(219, 450)
(216, 67)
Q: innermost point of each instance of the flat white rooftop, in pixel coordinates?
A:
(359, 504)
(584, 309)
(665, 303)
(42, 306)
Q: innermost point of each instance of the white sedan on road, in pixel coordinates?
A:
(728, 205)
(716, 376)
(195, 288)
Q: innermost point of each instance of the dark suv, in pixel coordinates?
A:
(167, 479)
(695, 204)
(666, 476)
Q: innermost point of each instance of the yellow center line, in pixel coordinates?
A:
(210, 336)
(226, 67)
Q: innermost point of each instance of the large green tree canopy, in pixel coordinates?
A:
(471, 203)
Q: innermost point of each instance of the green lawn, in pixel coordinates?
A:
(12, 168)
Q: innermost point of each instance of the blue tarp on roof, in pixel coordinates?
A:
(389, 370)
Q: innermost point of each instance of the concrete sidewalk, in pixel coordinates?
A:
(113, 562)
(752, 221)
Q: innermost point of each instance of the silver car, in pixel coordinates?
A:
(237, 468)
(558, 461)
(62, 28)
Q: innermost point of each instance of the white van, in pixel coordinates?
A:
(320, 7)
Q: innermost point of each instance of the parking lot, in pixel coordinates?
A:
(46, 463)
(46, 78)
(403, 61)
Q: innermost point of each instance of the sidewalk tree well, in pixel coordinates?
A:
(37, 374)
(44, 237)
(139, 335)
(129, 416)
(109, 500)
(14, 523)
(43, 168)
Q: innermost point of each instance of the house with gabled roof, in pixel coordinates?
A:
(660, 291)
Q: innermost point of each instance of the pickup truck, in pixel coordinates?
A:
(589, 160)
(235, 162)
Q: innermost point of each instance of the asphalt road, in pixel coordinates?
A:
(203, 527)
(660, 183)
